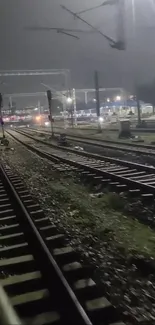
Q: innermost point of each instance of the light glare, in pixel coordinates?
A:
(69, 100)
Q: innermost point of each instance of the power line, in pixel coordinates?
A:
(68, 34)
(89, 9)
(64, 31)
(57, 29)
(84, 21)
(119, 45)
(108, 2)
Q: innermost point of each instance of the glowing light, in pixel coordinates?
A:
(94, 99)
(101, 119)
(69, 100)
(118, 97)
(108, 100)
(38, 118)
(47, 123)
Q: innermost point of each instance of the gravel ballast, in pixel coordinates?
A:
(113, 243)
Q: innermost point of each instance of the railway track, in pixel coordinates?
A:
(143, 149)
(117, 174)
(106, 171)
(116, 129)
(40, 272)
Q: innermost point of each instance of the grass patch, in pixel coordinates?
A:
(99, 218)
(112, 200)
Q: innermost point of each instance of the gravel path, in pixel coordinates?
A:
(124, 283)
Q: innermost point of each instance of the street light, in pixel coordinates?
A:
(108, 100)
(118, 98)
(69, 100)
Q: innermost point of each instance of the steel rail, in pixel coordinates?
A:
(149, 169)
(133, 183)
(49, 267)
(8, 315)
(109, 144)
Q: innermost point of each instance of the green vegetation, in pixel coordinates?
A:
(99, 217)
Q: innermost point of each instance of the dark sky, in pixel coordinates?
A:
(21, 49)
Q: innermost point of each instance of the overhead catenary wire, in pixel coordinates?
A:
(84, 21)
(68, 34)
(89, 9)
(117, 44)
(57, 29)
(108, 2)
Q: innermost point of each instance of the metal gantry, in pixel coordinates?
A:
(40, 72)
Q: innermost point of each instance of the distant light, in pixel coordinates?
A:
(11, 126)
(69, 100)
(108, 100)
(47, 123)
(94, 99)
(101, 119)
(36, 109)
(118, 97)
(38, 118)
(132, 97)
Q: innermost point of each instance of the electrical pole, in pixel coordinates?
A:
(86, 97)
(1, 119)
(39, 110)
(74, 107)
(10, 102)
(50, 97)
(39, 107)
(138, 104)
(138, 111)
(97, 98)
(71, 114)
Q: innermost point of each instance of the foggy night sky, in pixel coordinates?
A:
(21, 49)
